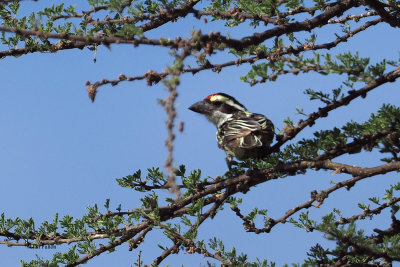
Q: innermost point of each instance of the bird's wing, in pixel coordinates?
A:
(266, 125)
(239, 132)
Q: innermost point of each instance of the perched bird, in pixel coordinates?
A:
(240, 133)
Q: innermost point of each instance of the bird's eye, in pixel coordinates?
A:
(216, 103)
(226, 108)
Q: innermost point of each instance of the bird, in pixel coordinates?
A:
(240, 133)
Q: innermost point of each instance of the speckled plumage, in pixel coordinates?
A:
(245, 135)
(240, 133)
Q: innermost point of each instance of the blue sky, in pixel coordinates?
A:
(60, 153)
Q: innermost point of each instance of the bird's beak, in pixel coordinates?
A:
(200, 107)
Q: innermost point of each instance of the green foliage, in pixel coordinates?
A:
(64, 258)
(154, 176)
(326, 98)
(349, 238)
(234, 202)
(54, 10)
(192, 182)
(304, 222)
(220, 5)
(356, 68)
(252, 215)
(14, 7)
(286, 52)
(260, 8)
(386, 118)
(318, 255)
(390, 191)
(232, 258)
(73, 228)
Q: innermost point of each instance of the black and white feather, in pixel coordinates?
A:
(240, 133)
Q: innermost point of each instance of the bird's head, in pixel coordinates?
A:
(218, 107)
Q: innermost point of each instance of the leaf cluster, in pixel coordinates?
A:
(386, 119)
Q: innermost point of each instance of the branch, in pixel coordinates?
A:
(169, 107)
(369, 212)
(51, 240)
(135, 243)
(235, 185)
(392, 231)
(355, 145)
(179, 239)
(359, 173)
(355, 18)
(60, 239)
(363, 249)
(153, 77)
(323, 112)
(189, 244)
(238, 44)
(379, 7)
(124, 238)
